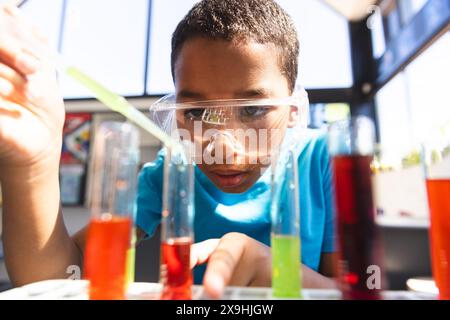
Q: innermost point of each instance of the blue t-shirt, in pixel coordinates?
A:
(217, 213)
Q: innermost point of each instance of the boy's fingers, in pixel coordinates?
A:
(201, 251)
(222, 263)
(9, 108)
(6, 88)
(12, 55)
(14, 3)
(20, 48)
(11, 75)
(21, 20)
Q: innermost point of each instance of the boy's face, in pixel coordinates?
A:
(215, 69)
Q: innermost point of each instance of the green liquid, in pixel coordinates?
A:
(286, 272)
(131, 257)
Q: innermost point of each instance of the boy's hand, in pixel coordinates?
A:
(235, 260)
(31, 109)
(238, 260)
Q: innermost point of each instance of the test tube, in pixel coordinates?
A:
(352, 144)
(436, 156)
(176, 226)
(285, 237)
(116, 153)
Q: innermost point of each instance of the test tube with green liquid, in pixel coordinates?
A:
(285, 237)
(131, 258)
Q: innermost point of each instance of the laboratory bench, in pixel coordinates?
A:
(78, 290)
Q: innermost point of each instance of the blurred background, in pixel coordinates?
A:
(385, 59)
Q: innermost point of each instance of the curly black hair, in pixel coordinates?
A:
(263, 21)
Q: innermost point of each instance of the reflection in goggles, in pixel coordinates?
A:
(223, 115)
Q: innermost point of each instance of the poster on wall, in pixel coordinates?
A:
(74, 157)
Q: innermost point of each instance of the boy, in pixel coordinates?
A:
(220, 50)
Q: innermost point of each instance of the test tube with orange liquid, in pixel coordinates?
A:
(176, 226)
(112, 210)
(436, 154)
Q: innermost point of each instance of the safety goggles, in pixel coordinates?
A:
(232, 113)
(226, 131)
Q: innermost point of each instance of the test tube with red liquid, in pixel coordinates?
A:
(351, 144)
(176, 226)
(112, 209)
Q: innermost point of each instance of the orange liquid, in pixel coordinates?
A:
(105, 257)
(439, 204)
(176, 274)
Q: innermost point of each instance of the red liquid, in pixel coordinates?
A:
(358, 237)
(439, 204)
(105, 257)
(176, 273)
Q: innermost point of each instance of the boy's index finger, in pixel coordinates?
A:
(13, 11)
(222, 264)
(201, 251)
(11, 7)
(19, 48)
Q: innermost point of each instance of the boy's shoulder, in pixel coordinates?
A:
(315, 142)
(152, 171)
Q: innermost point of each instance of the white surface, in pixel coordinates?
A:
(422, 285)
(77, 289)
(403, 222)
(401, 191)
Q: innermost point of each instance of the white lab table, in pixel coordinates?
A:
(77, 290)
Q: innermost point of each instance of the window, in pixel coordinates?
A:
(46, 16)
(322, 114)
(164, 19)
(416, 102)
(107, 39)
(325, 60)
(428, 83)
(393, 114)
(324, 47)
(409, 8)
(375, 23)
